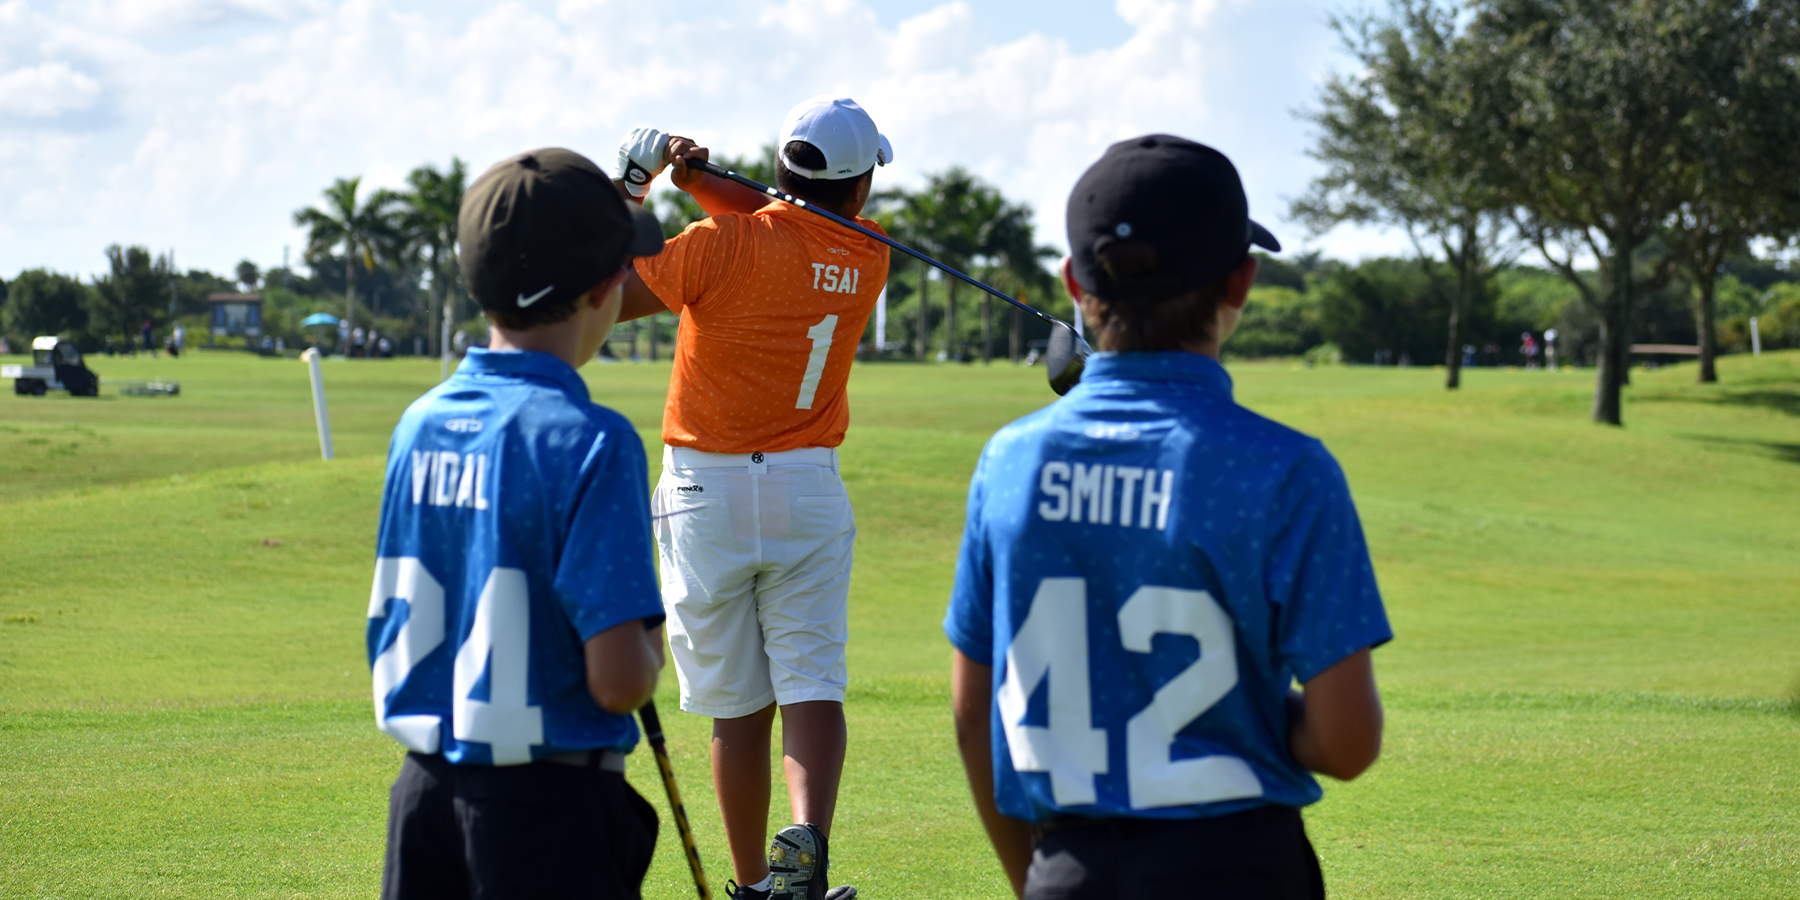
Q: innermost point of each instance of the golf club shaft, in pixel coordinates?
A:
(659, 748)
(711, 169)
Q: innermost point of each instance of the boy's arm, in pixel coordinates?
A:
(714, 194)
(971, 701)
(1335, 724)
(622, 665)
(639, 300)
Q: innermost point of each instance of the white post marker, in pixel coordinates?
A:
(881, 321)
(318, 385)
(1755, 338)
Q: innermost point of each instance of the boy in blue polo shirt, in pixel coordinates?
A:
(1146, 569)
(515, 620)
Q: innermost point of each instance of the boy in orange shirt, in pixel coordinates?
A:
(755, 530)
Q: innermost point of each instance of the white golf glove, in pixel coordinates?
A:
(641, 158)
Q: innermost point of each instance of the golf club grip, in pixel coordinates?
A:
(711, 169)
(659, 748)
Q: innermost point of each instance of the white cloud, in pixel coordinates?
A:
(151, 17)
(49, 89)
(211, 141)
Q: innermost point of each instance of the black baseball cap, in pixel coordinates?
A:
(545, 227)
(1180, 197)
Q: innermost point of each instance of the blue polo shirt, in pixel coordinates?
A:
(1148, 566)
(515, 525)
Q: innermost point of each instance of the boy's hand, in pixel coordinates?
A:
(680, 151)
(642, 156)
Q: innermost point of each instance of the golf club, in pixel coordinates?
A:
(1064, 358)
(653, 734)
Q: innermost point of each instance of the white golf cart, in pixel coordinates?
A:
(56, 365)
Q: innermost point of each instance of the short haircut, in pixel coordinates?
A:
(549, 312)
(1139, 326)
(823, 191)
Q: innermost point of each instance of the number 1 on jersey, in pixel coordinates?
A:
(815, 364)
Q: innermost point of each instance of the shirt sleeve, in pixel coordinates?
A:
(1320, 576)
(607, 573)
(969, 623)
(693, 262)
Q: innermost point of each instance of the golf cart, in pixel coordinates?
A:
(56, 365)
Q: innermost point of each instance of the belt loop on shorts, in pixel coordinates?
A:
(599, 760)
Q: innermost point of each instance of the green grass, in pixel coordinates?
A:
(1591, 693)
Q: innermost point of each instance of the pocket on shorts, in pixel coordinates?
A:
(820, 510)
(678, 494)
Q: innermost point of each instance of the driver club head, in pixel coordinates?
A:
(1065, 358)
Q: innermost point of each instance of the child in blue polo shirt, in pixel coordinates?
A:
(1146, 569)
(515, 621)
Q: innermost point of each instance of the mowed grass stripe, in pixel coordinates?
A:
(1541, 794)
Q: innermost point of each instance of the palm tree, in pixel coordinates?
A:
(427, 221)
(361, 230)
(961, 220)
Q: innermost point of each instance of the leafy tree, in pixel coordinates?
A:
(427, 222)
(1277, 321)
(361, 229)
(248, 275)
(1273, 271)
(40, 301)
(1745, 142)
(1583, 105)
(1396, 138)
(135, 290)
(1383, 306)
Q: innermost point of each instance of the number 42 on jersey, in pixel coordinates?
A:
(1053, 643)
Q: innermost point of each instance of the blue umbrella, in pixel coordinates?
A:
(318, 319)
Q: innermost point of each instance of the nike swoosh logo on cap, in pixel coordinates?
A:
(525, 301)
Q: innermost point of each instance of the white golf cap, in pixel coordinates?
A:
(842, 131)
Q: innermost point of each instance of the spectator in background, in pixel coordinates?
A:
(1528, 348)
(149, 339)
(179, 336)
(1550, 348)
(1468, 355)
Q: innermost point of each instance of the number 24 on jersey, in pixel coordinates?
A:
(499, 644)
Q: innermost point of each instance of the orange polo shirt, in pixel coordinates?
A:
(772, 306)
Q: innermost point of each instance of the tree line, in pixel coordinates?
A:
(1630, 145)
(384, 261)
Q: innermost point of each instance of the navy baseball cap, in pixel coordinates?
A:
(545, 226)
(1180, 197)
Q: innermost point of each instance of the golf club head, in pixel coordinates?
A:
(1065, 358)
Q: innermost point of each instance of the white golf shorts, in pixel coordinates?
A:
(756, 553)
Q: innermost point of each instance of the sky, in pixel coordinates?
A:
(199, 126)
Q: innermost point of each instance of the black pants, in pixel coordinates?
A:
(1257, 854)
(544, 830)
